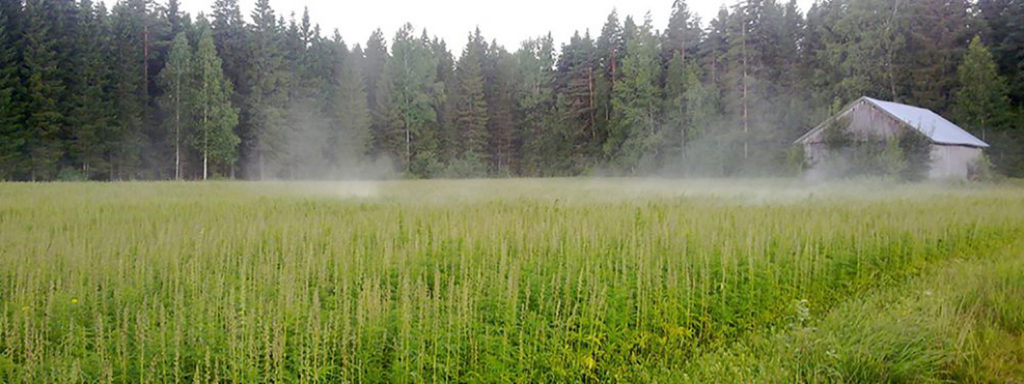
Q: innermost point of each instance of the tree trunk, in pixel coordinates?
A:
(590, 84)
(206, 143)
(746, 127)
(177, 129)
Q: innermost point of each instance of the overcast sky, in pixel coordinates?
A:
(508, 21)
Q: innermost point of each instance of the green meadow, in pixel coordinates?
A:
(522, 281)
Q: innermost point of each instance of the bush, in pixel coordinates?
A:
(982, 170)
(70, 174)
(893, 158)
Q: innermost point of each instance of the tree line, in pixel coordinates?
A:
(145, 91)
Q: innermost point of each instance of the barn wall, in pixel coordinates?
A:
(952, 161)
(866, 123)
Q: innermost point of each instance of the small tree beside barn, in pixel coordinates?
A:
(874, 137)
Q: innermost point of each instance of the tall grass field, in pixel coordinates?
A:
(511, 281)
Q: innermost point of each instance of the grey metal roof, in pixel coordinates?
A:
(938, 129)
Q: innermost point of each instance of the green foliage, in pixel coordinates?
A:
(409, 83)
(917, 149)
(543, 146)
(904, 156)
(263, 119)
(11, 132)
(837, 134)
(44, 89)
(634, 131)
(216, 118)
(796, 160)
(983, 170)
(893, 159)
(470, 105)
(176, 79)
(83, 89)
(91, 113)
(981, 103)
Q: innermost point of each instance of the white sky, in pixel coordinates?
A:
(508, 21)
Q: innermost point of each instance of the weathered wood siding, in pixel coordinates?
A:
(868, 123)
(952, 161)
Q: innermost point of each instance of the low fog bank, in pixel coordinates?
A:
(620, 190)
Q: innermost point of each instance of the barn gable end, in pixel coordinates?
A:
(953, 150)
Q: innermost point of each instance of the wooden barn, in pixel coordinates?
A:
(953, 151)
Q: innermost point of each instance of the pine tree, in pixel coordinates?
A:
(682, 79)
(611, 46)
(575, 87)
(175, 80)
(216, 118)
(683, 35)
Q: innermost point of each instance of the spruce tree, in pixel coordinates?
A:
(981, 103)
(448, 140)
(1004, 33)
(501, 130)
(577, 99)
(373, 63)
(129, 90)
(44, 85)
(231, 38)
(12, 134)
(92, 112)
(470, 103)
(611, 46)
(264, 138)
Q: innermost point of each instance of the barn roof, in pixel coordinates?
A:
(938, 129)
(930, 124)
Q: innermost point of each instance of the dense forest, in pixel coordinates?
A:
(145, 91)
